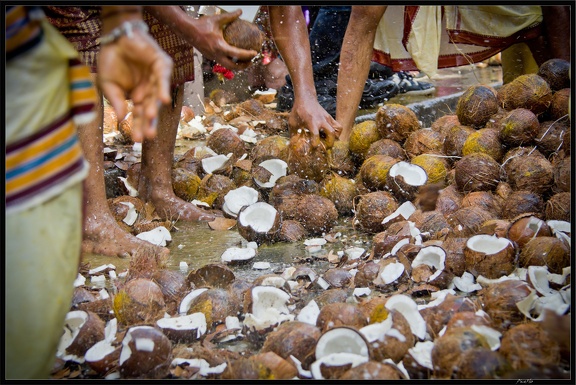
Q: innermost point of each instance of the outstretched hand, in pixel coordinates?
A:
(309, 114)
(136, 68)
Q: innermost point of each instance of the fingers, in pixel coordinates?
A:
(229, 17)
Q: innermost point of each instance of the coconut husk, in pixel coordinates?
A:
(372, 208)
(340, 159)
(556, 72)
(386, 147)
(213, 188)
(216, 304)
(560, 105)
(436, 167)
(145, 363)
(553, 136)
(374, 171)
(558, 207)
(433, 222)
(384, 241)
(373, 370)
(363, 134)
(467, 221)
(499, 301)
(316, 213)
(545, 251)
(445, 123)
(522, 202)
(140, 301)
(341, 191)
(271, 147)
(476, 105)
(477, 172)
(528, 91)
(306, 161)
(486, 200)
(484, 140)
(455, 138)
(225, 141)
(527, 345)
(366, 274)
(455, 260)
(338, 277)
(519, 127)
(449, 199)
(214, 275)
(340, 314)
(482, 363)
(489, 264)
(533, 173)
(396, 121)
(390, 346)
(562, 175)
(243, 34)
(437, 317)
(423, 141)
(291, 231)
(185, 183)
(525, 227)
(293, 338)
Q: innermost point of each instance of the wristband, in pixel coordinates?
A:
(124, 29)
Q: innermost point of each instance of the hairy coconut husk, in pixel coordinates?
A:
(341, 191)
(449, 199)
(384, 241)
(372, 370)
(519, 127)
(271, 147)
(560, 105)
(496, 119)
(484, 140)
(290, 185)
(556, 72)
(188, 161)
(445, 123)
(558, 207)
(374, 171)
(499, 300)
(372, 208)
(437, 317)
(522, 202)
(254, 108)
(533, 173)
(455, 138)
(340, 314)
(396, 121)
(553, 136)
(436, 167)
(340, 159)
(545, 251)
(486, 200)
(481, 363)
(293, 338)
(304, 160)
(467, 221)
(525, 227)
(291, 231)
(431, 222)
(86, 334)
(363, 134)
(140, 301)
(424, 141)
(503, 190)
(185, 183)
(476, 105)
(527, 345)
(528, 91)
(244, 34)
(449, 348)
(477, 172)
(514, 157)
(213, 189)
(562, 175)
(225, 141)
(316, 213)
(386, 147)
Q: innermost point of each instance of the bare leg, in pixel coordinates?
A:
(355, 59)
(155, 183)
(102, 234)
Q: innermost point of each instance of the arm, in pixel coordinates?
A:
(134, 67)
(355, 59)
(205, 34)
(291, 37)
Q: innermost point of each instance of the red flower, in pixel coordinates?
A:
(218, 69)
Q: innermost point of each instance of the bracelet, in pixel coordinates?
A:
(124, 29)
(120, 10)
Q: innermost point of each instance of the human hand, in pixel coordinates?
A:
(136, 68)
(308, 113)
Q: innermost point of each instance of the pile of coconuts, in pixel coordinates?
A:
(468, 275)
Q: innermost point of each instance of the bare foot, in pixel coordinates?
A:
(169, 206)
(103, 235)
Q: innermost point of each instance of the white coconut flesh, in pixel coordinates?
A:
(491, 335)
(432, 256)
(422, 353)
(277, 169)
(341, 340)
(309, 313)
(159, 236)
(204, 366)
(487, 244)
(561, 229)
(214, 163)
(409, 309)
(539, 277)
(336, 360)
(269, 307)
(237, 254)
(235, 199)
(260, 216)
(187, 300)
(413, 174)
(194, 321)
(131, 215)
(377, 330)
(73, 323)
(405, 210)
(390, 273)
(466, 283)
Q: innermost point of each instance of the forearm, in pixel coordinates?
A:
(179, 21)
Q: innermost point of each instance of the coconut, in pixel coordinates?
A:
(146, 354)
(498, 227)
(528, 91)
(476, 105)
(500, 302)
(438, 316)
(560, 105)
(449, 348)
(558, 207)
(445, 123)
(556, 72)
(527, 345)
(477, 172)
(481, 363)
(489, 256)
(82, 329)
(243, 34)
(340, 314)
(363, 134)
(449, 200)
(545, 251)
(306, 161)
(553, 136)
(436, 167)
(486, 200)
(241, 173)
(424, 140)
(264, 308)
(291, 231)
(366, 274)
(225, 141)
(390, 338)
(532, 173)
(384, 241)
(340, 159)
(455, 138)
(185, 183)
(341, 191)
(455, 259)
(183, 329)
(211, 275)
(338, 277)
(397, 122)
(404, 179)
(316, 213)
(525, 227)
(467, 221)
(216, 304)
(433, 223)
(125, 127)
(217, 164)
(139, 301)
(213, 189)
(373, 370)
(174, 286)
(258, 222)
(374, 171)
(267, 173)
(337, 351)
(293, 338)
(522, 202)
(261, 366)
(562, 175)
(519, 127)
(386, 147)
(484, 140)
(272, 146)
(372, 208)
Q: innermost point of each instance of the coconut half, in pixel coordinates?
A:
(433, 256)
(269, 307)
(489, 256)
(235, 199)
(215, 163)
(277, 169)
(237, 254)
(409, 309)
(185, 328)
(159, 236)
(258, 222)
(405, 178)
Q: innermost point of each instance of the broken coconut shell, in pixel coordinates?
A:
(500, 300)
(489, 256)
(258, 222)
(146, 354)
(293, 338)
